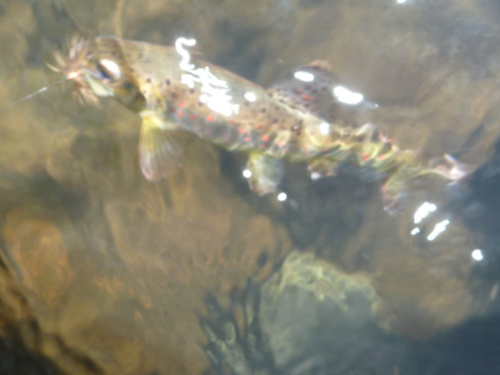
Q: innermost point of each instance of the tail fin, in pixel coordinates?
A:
(414, 176)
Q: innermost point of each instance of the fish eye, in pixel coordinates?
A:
(108, 70)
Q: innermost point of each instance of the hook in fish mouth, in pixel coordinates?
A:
(70, 65)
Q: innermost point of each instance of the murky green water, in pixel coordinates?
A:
(107, 273)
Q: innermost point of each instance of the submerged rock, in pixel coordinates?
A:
(309, 317)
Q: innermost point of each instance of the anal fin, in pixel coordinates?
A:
(266, 173)
(322, 167)
(159, 152)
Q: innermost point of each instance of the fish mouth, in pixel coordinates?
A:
(70, 65)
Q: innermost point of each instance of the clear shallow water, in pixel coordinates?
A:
(114, 270)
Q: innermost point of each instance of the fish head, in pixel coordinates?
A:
(99, 69)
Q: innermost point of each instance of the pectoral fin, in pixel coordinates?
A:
(159, 152)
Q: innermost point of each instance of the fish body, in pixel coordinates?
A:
(299, 119)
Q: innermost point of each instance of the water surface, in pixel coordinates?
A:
(113, 270)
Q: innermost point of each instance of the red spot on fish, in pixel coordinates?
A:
(365, 157)
(180, 114)
(172, 109)
(246, 139)
(242, 131)
(210, 118)
(193, 117)
(180, 104)
(265, 138)
(381, 157)
(262, 147)
(232, 122)
(299, 91)
(305, 97)
(259, 126)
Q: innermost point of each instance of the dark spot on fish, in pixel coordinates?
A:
(128, 86)
(359, 138)
(275, 121)
(115, 53)
(131, 70)
(191, 91)
(262, 259)
(88, 55)
(167, 81)
(263, 110)
(200, 104)
(174, 95)
(148, 80)
(245, 104)
(158, 102)
(140, 55)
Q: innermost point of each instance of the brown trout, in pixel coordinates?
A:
(299, 119)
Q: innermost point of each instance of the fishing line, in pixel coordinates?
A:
(35, 93)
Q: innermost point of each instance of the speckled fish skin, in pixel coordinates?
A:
(293, 120)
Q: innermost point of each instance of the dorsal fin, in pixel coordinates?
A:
(315, 89)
